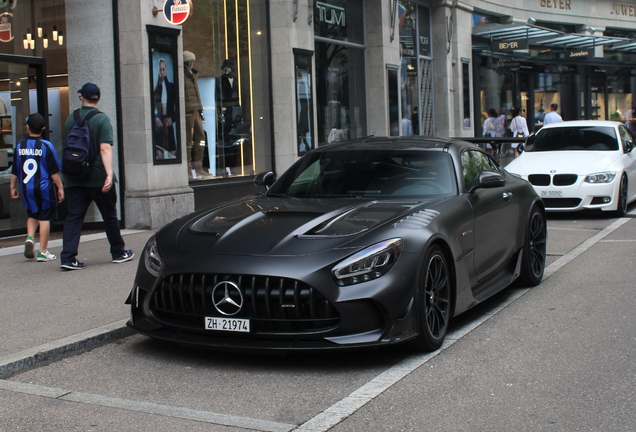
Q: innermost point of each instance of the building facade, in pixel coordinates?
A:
(204, 94)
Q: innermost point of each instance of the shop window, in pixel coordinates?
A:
(416, 92)
(394, 103)
(408, 66)
(340, 88)
(466, 92)
(226, 90)
(304, 100)
(340, 92)
(30, 28)
(620, 93)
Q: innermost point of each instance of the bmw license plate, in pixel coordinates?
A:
(551, 193)
(227, 324)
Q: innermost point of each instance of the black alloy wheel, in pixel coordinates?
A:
(534, 250)
(435, 301)
(621, 209)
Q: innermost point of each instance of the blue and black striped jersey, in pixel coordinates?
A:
(34, 162)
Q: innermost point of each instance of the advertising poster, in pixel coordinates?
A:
(164, 95)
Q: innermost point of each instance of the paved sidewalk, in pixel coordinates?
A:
(46, 313)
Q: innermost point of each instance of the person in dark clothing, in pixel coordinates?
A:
(415, 120)
(97, 187)
(35, 169)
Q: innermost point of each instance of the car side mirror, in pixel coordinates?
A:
(629, 146)
(489, 179)
(521, 148)
(265, 179)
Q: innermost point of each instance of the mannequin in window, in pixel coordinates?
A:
(195, 135)
(230, 110)
(229, 92)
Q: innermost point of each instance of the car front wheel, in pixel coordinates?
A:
(434, 300)
(621, 209)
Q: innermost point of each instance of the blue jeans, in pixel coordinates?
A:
(78, 199)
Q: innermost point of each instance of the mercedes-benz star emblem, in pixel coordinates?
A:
(227, 298)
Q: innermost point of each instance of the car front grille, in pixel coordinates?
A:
(564, 179)
(557, 180)
(273, 304)
(539, 179)
(561, 202)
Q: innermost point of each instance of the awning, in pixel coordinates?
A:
(541, 36)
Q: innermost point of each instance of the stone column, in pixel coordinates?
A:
(155, 194)
(381, 52)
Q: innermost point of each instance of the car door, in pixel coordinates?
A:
(496, 212)
(628, 159)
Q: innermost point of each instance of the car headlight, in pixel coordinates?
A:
(368, 264)
(603, 177)
(152, 259)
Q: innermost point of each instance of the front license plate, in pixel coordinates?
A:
(227, 324)
(551, 193)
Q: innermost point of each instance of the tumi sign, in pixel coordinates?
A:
(509, 45)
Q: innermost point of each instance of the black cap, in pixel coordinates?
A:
(90, 91)
(36, 122)
(227, 63)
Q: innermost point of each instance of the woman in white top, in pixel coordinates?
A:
(493, 127)
(518, 126)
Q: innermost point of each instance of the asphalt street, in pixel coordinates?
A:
(556, 357)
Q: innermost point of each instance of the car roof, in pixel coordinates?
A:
(582, 123)
(398, 143)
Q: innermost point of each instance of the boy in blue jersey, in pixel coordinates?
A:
(36, 167)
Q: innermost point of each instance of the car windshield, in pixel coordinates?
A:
(369, 174)
(595, 138)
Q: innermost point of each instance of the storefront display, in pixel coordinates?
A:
(229, 130)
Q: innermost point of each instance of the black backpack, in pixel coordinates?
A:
(78, 154)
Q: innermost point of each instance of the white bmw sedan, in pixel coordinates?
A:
(578, 165)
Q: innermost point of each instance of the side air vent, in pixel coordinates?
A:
(417, 220)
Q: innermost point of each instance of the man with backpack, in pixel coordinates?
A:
(87, 165)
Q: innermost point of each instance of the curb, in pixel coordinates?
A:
(62, 348)
(13, 250)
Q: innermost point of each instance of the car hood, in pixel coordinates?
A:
(562, 162)
(282, 226)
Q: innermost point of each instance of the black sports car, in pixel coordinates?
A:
(361, 243)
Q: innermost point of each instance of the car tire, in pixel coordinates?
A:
(534, 249)
(621, 208)
(434, 296)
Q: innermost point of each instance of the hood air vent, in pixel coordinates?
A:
(417, 220)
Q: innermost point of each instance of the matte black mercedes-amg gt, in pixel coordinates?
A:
(361, 243)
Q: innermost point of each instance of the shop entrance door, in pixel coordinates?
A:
(22, 91)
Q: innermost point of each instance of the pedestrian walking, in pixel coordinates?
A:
(96, 187)
(407, 126)
(36, 170)
(519, 128)
(552, 116)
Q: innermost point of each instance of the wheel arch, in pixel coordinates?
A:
(452, 269)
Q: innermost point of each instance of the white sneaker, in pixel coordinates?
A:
(46, 256)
